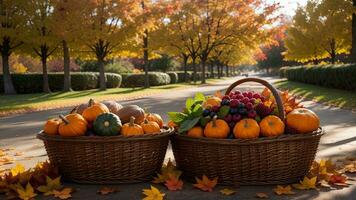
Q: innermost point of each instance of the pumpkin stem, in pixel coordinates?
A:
(64, 119)
(106, 123)
(74, 110)
(91, 102)
(214, 121)
(132, 121)
(145, 121)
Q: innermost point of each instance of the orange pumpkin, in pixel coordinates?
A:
(72, 125)
(217, 128)
(94, 110)
(155, 118)
(51, 126)
(150, 127)
(247, 129)
(211, 102)
(196, 131)
(303, 120)
(131, 128)
(271, 126)
(80, 108)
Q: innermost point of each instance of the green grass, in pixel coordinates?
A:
(329, 96)
(42, 101)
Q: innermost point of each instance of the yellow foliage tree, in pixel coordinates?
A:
(12, 23)
(109, 26)
(320, 30)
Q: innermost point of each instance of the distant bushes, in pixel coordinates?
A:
(138, 80)
(173, 76)
(333, 76)
(32, 83)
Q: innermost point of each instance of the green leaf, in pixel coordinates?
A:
(177, 117)
(204, 120)
(197, 111)
(199, 97)
(189, 103)
(188, 124)
(224, 110)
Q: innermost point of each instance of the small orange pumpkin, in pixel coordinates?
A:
(303, 120)
(94, 110)
(72, 125)
(80, 108)
(247, 129)
(271, 126)
(217, 128)
(51, 126)
(196, 131)
(150, 127)
(155, 118)
(131, 128)
(211, 102)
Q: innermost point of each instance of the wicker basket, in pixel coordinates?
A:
(274, 160)
(107, 160)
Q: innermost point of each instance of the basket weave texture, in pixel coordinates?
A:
(274, 160)
(107, 160)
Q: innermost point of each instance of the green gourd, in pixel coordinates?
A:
(107, 124)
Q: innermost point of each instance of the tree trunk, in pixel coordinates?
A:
(8, 85)
(219, 71)
(46, 88)
(332, 51)
(185, 60)
(66, 67)
(145, 58)
(194, 70)
(5, 54)
(102, 80)
(353, 49)
(203, 64)
(227, 70)
(212, 70)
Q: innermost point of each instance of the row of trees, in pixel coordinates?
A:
(321, 29)
(223, 32)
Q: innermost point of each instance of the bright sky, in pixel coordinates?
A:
(288, 6)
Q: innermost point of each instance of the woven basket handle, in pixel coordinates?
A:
(268, 85)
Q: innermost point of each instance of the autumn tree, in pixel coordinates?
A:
(12, 23)
(320, 30)
(108, 27)
(41, 39)
(68, 20)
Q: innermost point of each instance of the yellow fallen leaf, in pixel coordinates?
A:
(227, 191)
(63, 194)
(17, 169)
(280, 190)
(27, 193)
(350, 168)
(107, 190)
(153, 194)
(51, 185)
(261, 195)
(168, 170)
(306, 184)
(2, 153)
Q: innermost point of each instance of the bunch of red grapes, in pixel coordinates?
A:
(241, 105)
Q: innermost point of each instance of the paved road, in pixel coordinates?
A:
(19, 131)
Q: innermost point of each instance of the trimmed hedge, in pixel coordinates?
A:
(138, 80)
(173, 76)
(32, 83)
(181, 76)
(333, 76)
